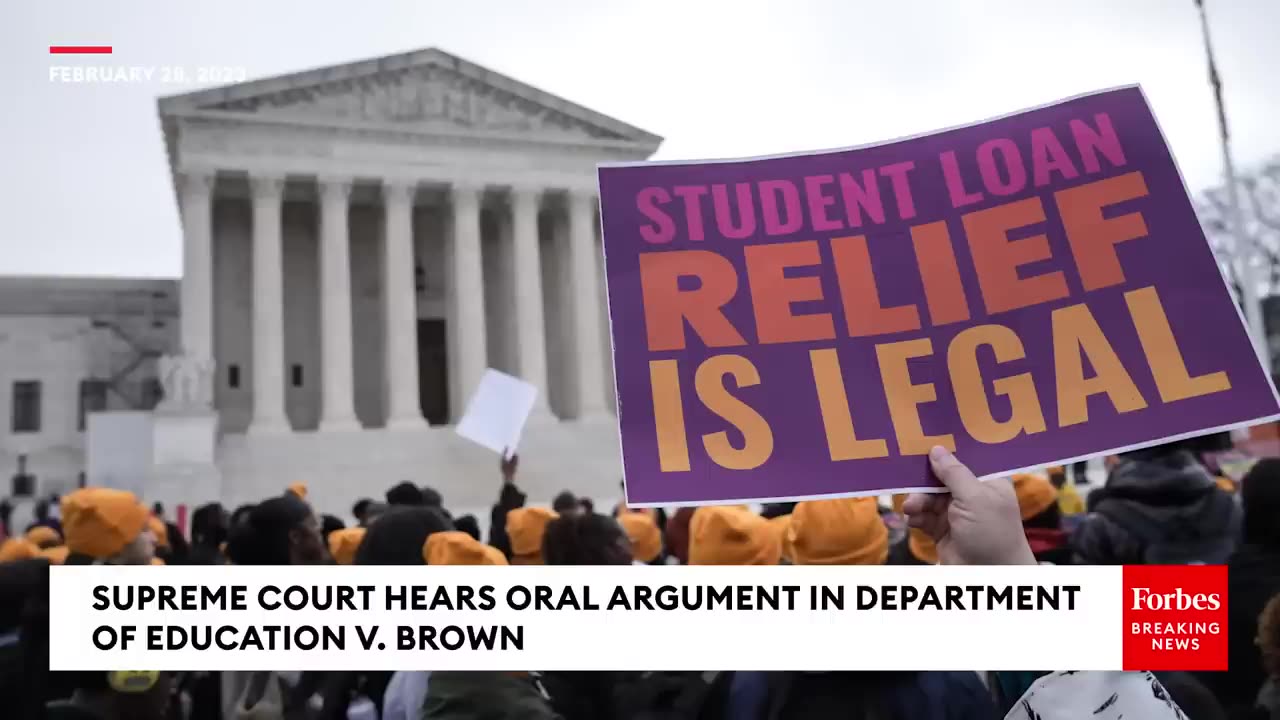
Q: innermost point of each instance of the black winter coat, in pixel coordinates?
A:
(1156, 510)
(509, 498)
(1253, 579)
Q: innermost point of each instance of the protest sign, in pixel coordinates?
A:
(1024, 291)
(498, 410)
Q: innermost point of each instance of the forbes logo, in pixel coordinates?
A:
(1145, 599)
(1175, 617)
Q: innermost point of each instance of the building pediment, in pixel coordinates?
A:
(424, 91)
(429, 98)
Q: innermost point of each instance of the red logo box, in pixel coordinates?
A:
(1175, 617)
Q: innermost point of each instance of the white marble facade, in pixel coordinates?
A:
(360, 242)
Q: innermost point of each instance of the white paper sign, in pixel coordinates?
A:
(496, 415)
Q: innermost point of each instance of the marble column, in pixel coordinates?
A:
(585, 307)
(468, 293)
(197, 264)
(337, 389)
(268, 307)
(530, 330)
(404, 408)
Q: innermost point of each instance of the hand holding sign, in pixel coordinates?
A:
(978, 523)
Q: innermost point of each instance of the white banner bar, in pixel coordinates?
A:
(575, 618)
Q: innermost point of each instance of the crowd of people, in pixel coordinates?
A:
(1162, 505)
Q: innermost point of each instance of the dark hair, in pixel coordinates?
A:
(263, 537)
(209, 525)
(773, 510)
(240, 515)
(1157, 452)
(328, 524)
(1260, 496)
(564, 502)
(1192, 697)
(588, 506)
(157, 509)
(585, 540)
(358, 510)
(431, 497)
(179, 551)
(405, 493)
(41, 510)
(468, 524)
(373, 511)
(397, 537)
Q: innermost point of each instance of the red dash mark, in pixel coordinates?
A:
(79, 49)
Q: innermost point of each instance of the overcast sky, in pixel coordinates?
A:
(84, 187)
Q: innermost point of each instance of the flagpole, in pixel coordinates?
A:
(1242, 246)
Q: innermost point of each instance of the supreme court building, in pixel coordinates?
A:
(360, 243)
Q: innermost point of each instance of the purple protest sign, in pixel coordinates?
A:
(1025, 291)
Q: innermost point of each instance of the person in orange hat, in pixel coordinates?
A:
(407, 689)
(917, 548)
(458, 548)
(43, 536)
(731, 535)
(17, 548)
(1036, 494)
(299, 489)
(645, 537)
(526, 527)
(56, 555)
(843, 531)
(1042, 518)
(344, 543)
(108, 526)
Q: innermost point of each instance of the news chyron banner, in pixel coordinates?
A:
(1024, 291)
(567, 618)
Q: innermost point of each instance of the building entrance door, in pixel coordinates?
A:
(433, 371)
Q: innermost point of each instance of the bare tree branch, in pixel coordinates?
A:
(1257, 240)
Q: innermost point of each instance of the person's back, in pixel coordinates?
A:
(855, 696)
(1159, 506)
(509, 498)
(1253, 578)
